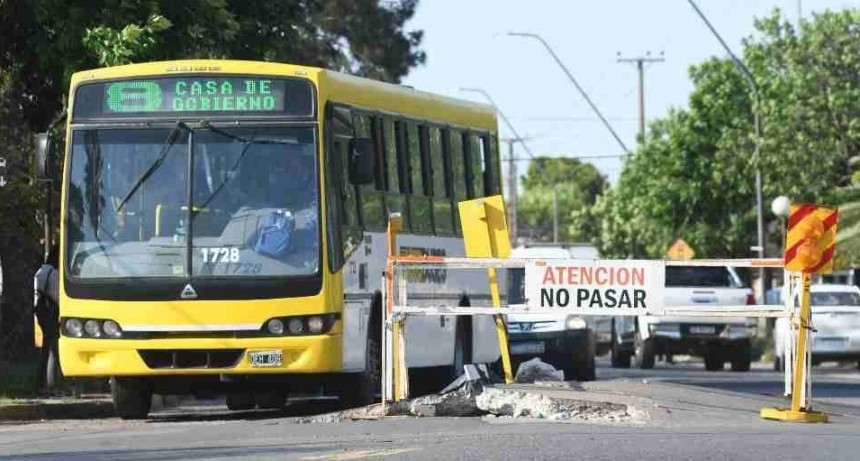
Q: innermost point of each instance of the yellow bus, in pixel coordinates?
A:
(223, 228)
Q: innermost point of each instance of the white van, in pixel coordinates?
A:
(564, 341)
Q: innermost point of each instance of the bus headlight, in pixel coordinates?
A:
(296, 326)
(74, 328)
(275, 326)
(111, 329)
(316, 324)
(92, 328)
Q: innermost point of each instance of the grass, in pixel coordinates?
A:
(18, 379)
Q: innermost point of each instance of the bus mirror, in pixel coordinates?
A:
(360, 161)
(43, 148)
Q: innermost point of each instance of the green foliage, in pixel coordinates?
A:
(693, 176)
(116, 47)
(576, 185)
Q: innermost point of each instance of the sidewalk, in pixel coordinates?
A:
(84, 407)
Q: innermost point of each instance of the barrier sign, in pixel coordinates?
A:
(596, 287)
(811, 239)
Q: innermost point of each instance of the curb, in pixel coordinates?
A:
(64, 410)
(93, 409)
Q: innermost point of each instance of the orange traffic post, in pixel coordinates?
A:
(400, 375)
(810, 247)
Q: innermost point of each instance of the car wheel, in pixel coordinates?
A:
(713, 362)
(644, 352)
(620, 358)
(742, 360)
(132, 398)
(778, 363)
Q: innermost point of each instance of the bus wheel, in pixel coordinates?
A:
(239, 400)
(53, 373)
(132, 398)
(364, 387)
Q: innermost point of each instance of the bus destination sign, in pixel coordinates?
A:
(199, 95)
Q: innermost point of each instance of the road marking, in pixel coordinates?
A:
(361, 454)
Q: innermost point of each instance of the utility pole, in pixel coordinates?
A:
(640, 66)
(512, 189)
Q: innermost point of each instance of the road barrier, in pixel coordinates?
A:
(399, 309)
(606, 288)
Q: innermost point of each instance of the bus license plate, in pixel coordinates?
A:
(265, 359)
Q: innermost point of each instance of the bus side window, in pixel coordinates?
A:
(443, 223)
(343, 226)
(492, 173)
(474, 166)
(394, 200)
(458, 172)
(419, 200)
(371, 204)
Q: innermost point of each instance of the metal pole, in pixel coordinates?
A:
(554, 214)
(512, 190)
(641, 67)
(758, 181)
(576, 84)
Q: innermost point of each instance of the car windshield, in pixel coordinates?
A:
(695, 276)
(254, 195)
(835, 299)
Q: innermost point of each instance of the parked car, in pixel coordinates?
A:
(717, 339)
(566, 342)
(836, 320)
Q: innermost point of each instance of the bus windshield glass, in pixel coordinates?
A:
(253, 195)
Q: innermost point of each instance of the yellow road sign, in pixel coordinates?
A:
(680, 251)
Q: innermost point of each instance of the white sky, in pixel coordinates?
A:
(467, 46)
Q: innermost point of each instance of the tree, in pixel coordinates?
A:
(44, 41)
(693, 174)
(576, 186)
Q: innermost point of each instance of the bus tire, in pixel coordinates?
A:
(132, 398)
(239, 400)
(364, 387)
(53, 373)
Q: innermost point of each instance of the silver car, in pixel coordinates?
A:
(836, 321)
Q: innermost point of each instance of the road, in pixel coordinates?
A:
(705, 415)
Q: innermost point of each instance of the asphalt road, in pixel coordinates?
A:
(207, 431)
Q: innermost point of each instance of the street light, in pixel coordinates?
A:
(781, 206)
(751, 82)
(512, 169)
(575, 83)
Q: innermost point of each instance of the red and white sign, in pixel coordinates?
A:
(596, 287)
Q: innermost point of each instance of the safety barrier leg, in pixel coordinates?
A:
(801, 408)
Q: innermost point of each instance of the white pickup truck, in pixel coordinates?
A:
(717, 339)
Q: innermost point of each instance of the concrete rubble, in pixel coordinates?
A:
(478, 393)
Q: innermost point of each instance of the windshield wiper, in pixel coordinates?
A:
(248, 142)
(168, 143)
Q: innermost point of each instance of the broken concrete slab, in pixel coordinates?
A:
(518, 404)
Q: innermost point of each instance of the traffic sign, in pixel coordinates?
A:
(680, 251)
(811, 239)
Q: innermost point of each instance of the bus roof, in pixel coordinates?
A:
(335, 86)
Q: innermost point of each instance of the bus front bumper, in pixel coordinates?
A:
(213, 356)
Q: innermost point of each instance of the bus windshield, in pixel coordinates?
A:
(253, 192)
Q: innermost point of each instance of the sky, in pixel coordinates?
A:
(467, 46)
